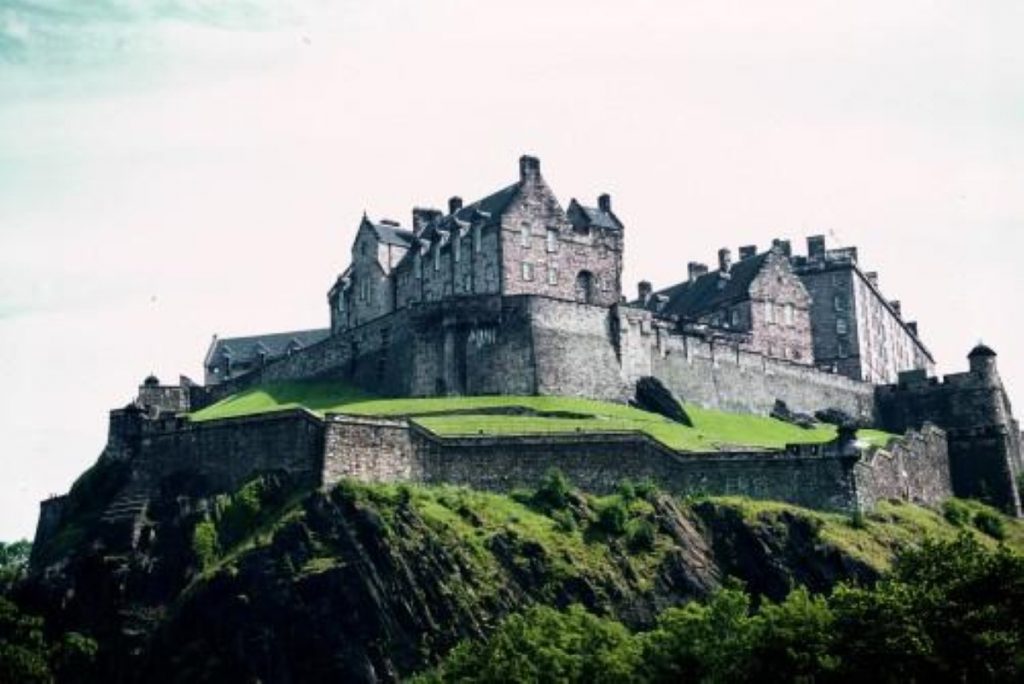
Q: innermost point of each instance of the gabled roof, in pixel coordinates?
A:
(390, 234)
(710, 291)
(593, 216)
(272, 345)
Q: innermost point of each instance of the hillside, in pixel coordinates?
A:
(512, 415)
(374, 582)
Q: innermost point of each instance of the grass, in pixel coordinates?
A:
(454, 416)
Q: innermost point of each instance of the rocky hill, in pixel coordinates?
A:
(375, 582)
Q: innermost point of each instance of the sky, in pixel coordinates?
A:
(174, 169)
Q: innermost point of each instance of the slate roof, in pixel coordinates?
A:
(710, 291)
(273, 345)
(390, 234)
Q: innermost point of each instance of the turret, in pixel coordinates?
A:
(983, 362)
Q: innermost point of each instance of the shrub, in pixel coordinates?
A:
(646, 489)
(564, 521)
(553, 493)
(991, 523)
(956, 512)
(627, 491)
(640, 535)
(204, 543)
(612, 518)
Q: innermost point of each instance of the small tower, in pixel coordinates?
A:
(983, 363)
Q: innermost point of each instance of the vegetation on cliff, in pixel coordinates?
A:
(518, 415)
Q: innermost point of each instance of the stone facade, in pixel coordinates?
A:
(856, 331)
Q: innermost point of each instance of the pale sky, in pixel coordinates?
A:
(178, 168)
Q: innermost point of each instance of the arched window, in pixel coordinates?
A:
(585, 287)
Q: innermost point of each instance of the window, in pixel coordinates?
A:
(527, 270)
(437, 256)
(476, 238)
(457, 248)
(788, 314)
(524, 235)
(552, 240)
(841, 327)
(734, 319)
(769, 313)
(417, 264)
(552, 275)
(840, 302)
(844, 350)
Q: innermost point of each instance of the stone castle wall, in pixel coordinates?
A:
(914, 468)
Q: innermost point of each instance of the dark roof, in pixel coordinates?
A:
(272, 344)
(981, 350)
(391, 234)
(710, 291)
(594, 216)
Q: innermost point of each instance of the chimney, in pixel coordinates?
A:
(912, 327)
(644, 290)
(695, 270)
(421, 217)
(529, 168)
(897, 308)
(816, 248)
(872, 277)
(747, 251)
(724, 260)
(604, 203)
(784, 247)
(454, 204)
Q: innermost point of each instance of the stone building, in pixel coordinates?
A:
(516, 241)
(759, 297)
(857, 331)
(231, 357)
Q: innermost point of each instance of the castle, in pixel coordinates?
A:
(514, 294)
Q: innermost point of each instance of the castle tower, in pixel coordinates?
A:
(983, 363)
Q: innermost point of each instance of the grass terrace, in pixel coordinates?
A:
(523, 415)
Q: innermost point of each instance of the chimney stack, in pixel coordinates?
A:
(421, 217)
(529, 168)
(604, 203)
(747, 251)
(644, 290)
(897, 308)
(784, 246)
(912, 327)
(454, 204)
(816, 248)
(872, 277)
(695, 270)
(724, 260)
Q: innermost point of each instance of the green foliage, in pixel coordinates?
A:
(612, 518)
(13, 562)
(204, 543)
(73, 656)
(553, 493)
(627, 491)
(545, 645)
(564, 521)
(991, 523)
(640, 535)
(23, 649)
(956, 512)
(950, 611)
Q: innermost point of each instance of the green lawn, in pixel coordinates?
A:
(712, 429)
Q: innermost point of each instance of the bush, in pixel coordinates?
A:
(646, 489)
(627, 491)
(612, 518)
(564, 521)
(553, 493)
(205, 546)
(640, 535)
(991, 523)
(956, 512)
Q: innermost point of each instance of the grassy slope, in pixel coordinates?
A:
(711, 429)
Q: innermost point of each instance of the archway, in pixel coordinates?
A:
(585, 287)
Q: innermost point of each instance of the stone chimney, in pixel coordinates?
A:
(644, 290)
(872, 277)
(816, 248)
(421, 217)
(747, 251)
(912, 327)
(897, 308)
(604, 203)
(529, 168)
(695, 270)
(784, 246)
(454, 204)
(724, 260)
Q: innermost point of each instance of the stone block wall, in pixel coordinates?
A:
(913, 468)
(368, 449)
